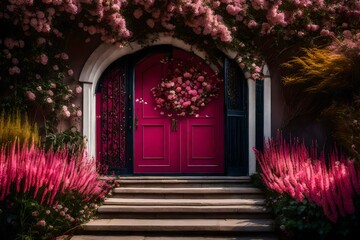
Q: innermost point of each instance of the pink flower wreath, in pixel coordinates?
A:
(185, 89)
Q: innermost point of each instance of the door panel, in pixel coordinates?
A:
(196, 145)
(152, 131)
(204, 141)
(154, 147)
(202, 144)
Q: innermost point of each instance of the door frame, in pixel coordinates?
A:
(105, 54)
(231, 166)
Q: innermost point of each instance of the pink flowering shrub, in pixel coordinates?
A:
(348, 45)
(46, 193)
(185, 90)
(291, 169)
(53, 99)
(70, 139)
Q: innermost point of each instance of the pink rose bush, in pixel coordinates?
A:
(185, 89)
(54, 98)
(229, 24)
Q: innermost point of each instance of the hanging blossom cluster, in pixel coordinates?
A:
(185, 90)
(349, 45)
(289, 168)
(200, 16)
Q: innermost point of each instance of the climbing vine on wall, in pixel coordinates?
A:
(34, 36)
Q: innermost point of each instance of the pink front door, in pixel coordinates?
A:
(196, 145)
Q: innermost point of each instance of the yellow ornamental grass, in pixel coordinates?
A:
(13, 126)
(320, 70)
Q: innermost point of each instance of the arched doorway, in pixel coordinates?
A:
(134, 138)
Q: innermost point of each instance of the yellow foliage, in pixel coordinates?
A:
(320, 70)
(13, 126)
(344, 120)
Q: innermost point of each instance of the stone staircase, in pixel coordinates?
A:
(187, 207)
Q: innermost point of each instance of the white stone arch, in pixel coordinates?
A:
(106, 54)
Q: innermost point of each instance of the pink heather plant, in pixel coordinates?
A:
(49, 193)
(291, 169)
(43, 175)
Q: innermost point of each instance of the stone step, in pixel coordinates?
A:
(181, 183)
(179, 225)
(220, 190)
(182, 209)
(136, 237)
(181, 212)
(206, 193)
(182, 202)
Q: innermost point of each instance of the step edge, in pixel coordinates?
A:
(148, 225)
(190, 189)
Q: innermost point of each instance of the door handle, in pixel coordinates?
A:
(174, 125)
(136, 122)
